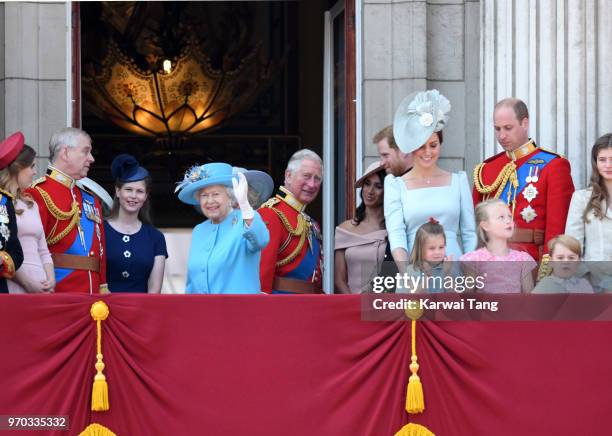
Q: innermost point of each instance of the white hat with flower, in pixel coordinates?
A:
(418, 116)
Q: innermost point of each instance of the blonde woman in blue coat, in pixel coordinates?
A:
(225, 249)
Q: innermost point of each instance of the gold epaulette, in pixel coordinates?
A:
(551, 152)
(38, 181)
(8, 194)
(270, 202)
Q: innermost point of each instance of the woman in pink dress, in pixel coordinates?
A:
(36, 274)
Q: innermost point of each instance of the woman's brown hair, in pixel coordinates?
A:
(599, 192)
(24, 159)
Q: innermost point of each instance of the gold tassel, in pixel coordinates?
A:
(415, 402)
(545, 268)
(411, 429)
(96, 429)
(99, 395)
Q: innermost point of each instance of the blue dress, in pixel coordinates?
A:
(129, 258)
(407, 209)
(224, 258)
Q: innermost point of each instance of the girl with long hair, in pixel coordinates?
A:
(589, 219)
(504, 270)
(136, 251)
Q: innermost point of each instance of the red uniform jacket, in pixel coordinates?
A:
(303, 264)
(550, 204)
(55, 194)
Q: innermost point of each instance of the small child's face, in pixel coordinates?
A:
(564, 262)
(434, 249)
(499, 224)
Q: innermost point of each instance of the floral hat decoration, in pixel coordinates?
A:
(418, 116)
(201, 176)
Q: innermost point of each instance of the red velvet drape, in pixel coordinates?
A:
(297, 365)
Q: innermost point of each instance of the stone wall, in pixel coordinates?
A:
(557, 56)
(33, 72)
(416, 45)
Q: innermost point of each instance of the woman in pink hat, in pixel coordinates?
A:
(16, 172)
(361, 242)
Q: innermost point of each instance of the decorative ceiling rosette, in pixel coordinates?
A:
(177, 97)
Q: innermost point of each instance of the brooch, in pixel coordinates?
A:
(528, 214)
(530, 192)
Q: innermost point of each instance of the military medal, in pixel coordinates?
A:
(535, 177)
(4, 217)
(528, 178)
(530, 192)
(5, 232)
(528, 214)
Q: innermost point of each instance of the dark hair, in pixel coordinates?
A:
(24, 159)
(360, 212)
(518, 106)
(430, 228)
(599, 190)
(144, 214)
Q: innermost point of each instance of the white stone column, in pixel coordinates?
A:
(556, 55)
(412, 45)
(33, 73)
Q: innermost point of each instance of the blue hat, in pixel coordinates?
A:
(201, 176)
(418, 116)
(126, 168)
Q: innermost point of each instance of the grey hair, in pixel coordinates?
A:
(296, 159)
(230, 194)
(232, 197)
(67, 137)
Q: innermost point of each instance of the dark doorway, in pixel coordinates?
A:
(283, 116)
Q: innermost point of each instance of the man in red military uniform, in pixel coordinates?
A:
(291, 262)
(536, 184)
(71, 216)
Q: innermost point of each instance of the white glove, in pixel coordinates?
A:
(241, 191)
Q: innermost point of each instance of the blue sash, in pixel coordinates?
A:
(309, 264)
(523, 171)
(88, 227)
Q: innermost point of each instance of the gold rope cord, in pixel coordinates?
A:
(507, 172)
(60, 215)
(300, 230)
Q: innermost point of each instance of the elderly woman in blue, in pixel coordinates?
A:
(225, 249)
(426, 191)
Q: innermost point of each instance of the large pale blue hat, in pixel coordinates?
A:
(259, 181)
(201, 176)
(418, 116)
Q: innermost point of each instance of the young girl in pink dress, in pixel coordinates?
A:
(504, 270)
